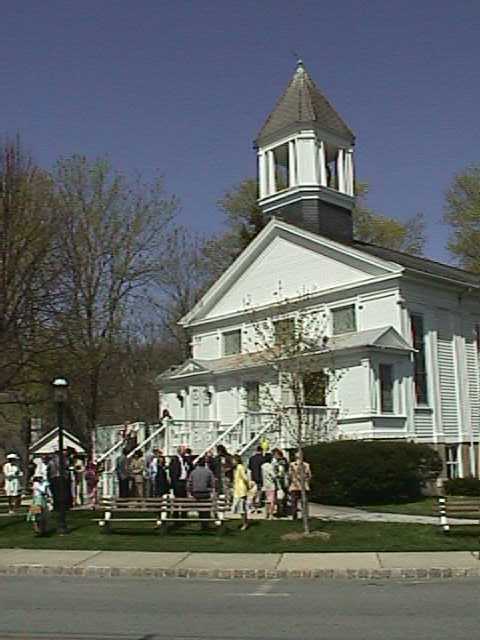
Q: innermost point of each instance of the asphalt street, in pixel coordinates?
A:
(178, 609)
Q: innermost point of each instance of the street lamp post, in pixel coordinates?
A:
(60, 386)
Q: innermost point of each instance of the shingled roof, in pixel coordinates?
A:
(303, 103)
(421, 265)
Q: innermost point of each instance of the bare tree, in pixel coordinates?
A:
(293, 343)
(27, 272)
(111, 245)
(181, 281)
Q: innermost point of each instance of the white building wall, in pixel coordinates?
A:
(353, 390)
(452, 364)
(379, 309)
(206, 346)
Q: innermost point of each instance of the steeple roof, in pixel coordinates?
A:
(303, 103)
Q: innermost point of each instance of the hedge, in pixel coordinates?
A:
(462, 487)
(359, 472)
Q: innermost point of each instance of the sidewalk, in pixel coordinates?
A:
(420, 565)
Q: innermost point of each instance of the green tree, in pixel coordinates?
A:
(244, 220)
(375, 228)
(462, 213)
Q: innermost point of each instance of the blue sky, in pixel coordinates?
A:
(182, 87)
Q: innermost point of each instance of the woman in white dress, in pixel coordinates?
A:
(13, 486)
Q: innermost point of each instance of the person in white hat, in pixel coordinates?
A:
(13, 486)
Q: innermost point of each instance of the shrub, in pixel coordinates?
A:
(356, 472)
(462, 487)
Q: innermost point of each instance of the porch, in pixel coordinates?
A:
(241, 436)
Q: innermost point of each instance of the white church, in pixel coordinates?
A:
(404, 330)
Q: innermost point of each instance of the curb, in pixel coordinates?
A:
(243, 574)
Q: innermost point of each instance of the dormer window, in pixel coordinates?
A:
(344, 320)
(232, 342)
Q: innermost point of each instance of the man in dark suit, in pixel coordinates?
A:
(123, 474)
(178, 470)
(255, 466)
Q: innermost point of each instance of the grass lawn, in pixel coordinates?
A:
(423, 507)
(261, 537)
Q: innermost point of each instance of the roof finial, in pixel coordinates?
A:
(299, 60)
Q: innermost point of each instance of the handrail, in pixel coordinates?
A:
(219, 438)
(256, 437)
(111, 450)
(174, 420)
(150, 437)
(117, 444)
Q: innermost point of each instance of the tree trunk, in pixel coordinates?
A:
(303, 492)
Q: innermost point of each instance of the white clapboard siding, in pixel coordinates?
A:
(473, 382)
(423, 425)
(448, 386)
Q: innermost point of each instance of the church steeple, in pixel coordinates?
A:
(305, 161)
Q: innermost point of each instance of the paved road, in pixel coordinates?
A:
(175, 609)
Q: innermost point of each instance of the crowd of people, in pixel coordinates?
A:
(269, 481)
(80, 479)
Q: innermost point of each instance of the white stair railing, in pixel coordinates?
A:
(110, 451)
(269, 426)
(157, 432)
(222, 436)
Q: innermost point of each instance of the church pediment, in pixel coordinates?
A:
(286, 262)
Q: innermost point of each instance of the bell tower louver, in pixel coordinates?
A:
(305, 162)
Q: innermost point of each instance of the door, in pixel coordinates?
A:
(200, 403)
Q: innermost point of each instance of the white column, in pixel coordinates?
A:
(292, 164)
(349, 186)
(341, 170)
(322, 165)
(272, 187)
(262, 175)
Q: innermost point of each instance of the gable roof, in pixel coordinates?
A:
(382, 337)
(277, 226)
(190, 367)
(420, 264)
(52, 435)
(303, 103)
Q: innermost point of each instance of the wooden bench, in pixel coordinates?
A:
(117, 508)
(163, 511)
(180, 510)
(449, 507)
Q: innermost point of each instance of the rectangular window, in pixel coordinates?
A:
(386, 388)
(451, 454)
(232, 342)
(284, 331)
(420, 368)
(282, 168)
(344, 320)
(315, 388)
(253, 395)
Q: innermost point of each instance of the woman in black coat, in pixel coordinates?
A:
(162, 485)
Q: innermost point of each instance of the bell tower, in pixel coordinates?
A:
(305, 162)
